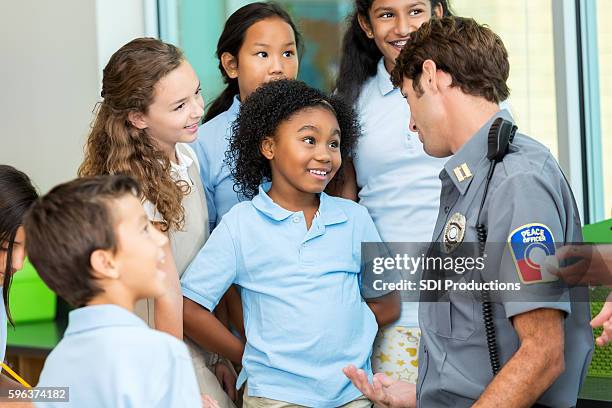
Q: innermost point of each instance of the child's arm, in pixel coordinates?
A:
(206, 279)
(386, 308)
(206, 330)
(169, 306)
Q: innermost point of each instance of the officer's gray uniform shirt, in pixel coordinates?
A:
(527, 187)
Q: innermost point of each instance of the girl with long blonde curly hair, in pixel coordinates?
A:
(151, 108)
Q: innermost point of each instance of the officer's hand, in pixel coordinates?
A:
(384, 391)
(604, 318)
(589, 264)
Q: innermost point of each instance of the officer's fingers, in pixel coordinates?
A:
(603, 316)
(380, 396)
(351, 372)
(360, 380)
(384, 380)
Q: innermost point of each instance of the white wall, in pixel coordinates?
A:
(52, 55)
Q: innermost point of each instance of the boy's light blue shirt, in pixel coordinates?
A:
(110, 358)
(210, 147)
(303, 312)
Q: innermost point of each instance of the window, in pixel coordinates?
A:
(525, 27)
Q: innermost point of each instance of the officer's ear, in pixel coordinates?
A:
(433, 79)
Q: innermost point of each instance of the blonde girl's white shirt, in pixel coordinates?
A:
(186, 243)
(178, 171)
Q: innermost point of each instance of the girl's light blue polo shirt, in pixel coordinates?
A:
(210, 147)
(303, 311)
(109, 357)
(399, 183)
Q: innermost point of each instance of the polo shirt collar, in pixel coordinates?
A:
(264, 204)
(329, 213)
(471, 159)
(383, 78)
(235, 108)
(97, 316)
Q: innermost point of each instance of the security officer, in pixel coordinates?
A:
(453, 73)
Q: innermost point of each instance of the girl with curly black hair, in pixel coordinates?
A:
(259, 43)
(294, 251)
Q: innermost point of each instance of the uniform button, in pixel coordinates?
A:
(446, 209)
(296, 220)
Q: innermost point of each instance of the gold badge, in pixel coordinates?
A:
(454, 231)
(462, 172)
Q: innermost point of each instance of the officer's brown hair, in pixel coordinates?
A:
(67, 225)
(473, 55)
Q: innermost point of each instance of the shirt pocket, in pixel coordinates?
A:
(463, 315)
(452, 318)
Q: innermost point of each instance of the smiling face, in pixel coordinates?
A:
(177, 109)
(390, 23)
(304, 153)
(268, 53)
(139, 256)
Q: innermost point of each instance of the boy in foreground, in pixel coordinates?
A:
(92, 244)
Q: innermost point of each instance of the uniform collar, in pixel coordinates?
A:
(98, 316)
(383, 78)
(328, 212)
(472, 156)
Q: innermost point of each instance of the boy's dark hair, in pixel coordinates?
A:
(231, 41)
(472, 54)
(262, 113)
(67, 225)
(360, 54)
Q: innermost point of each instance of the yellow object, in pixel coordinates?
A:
(16, 376)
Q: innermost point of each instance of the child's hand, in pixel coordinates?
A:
(604, 319)
(589, 264)
(227, 379)
(209, 402)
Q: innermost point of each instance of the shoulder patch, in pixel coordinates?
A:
(532, 245)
